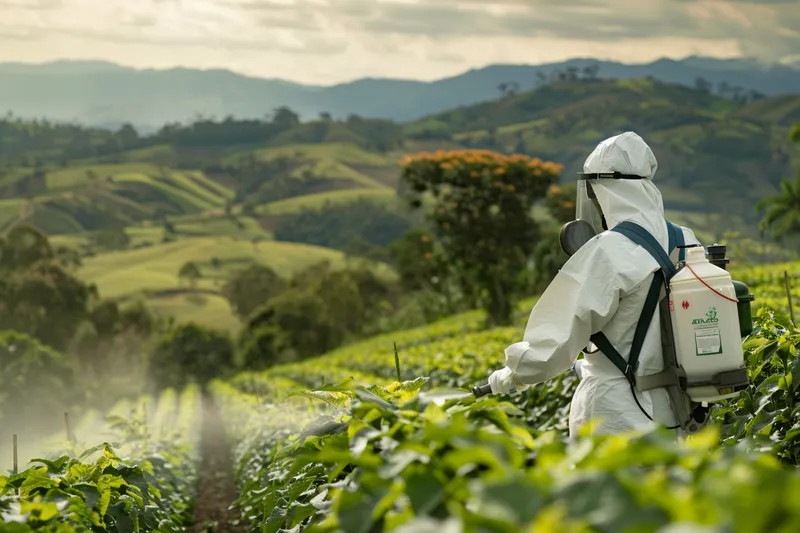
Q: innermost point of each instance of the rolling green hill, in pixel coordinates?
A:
(224, 189)
(715, 155)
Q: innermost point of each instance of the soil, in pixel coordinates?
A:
(217, 490)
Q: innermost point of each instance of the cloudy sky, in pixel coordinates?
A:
(329, 41)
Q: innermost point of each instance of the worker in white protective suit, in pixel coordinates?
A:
(602, 287)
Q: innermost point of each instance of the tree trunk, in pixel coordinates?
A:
(498, 312)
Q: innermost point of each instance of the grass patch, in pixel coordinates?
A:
(332, 169)
(154, 268)
(184, 199)
(343, 152)
(317, 201)
(209, 310)
(78, 176)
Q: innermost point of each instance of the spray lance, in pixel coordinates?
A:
(483, 390)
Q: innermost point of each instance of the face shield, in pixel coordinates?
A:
(587, 206)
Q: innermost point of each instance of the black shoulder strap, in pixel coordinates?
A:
(661, 278)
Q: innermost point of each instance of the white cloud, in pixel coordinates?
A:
(326, 41)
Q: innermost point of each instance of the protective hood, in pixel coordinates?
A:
(636, 200)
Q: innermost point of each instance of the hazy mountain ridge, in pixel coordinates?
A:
(104, 94)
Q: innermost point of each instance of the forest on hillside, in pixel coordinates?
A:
(241, 243)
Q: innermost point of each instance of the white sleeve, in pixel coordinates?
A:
(580, 301)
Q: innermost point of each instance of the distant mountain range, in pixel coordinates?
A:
(105, 94)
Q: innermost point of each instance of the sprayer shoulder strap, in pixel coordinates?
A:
(661, 278)
(676, 239)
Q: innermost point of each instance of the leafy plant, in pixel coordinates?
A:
(99, 490)
(372, 454)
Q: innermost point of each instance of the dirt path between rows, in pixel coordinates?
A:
(216, 488)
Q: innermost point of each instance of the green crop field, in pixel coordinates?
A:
(215, 225)
(376, 443)
(190, 188)
(79, 176)
(369, 439)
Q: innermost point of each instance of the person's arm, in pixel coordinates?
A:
(580, 301)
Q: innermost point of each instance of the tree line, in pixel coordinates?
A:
(591, 72)
(38, 143)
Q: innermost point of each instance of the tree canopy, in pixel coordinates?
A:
(481, 212)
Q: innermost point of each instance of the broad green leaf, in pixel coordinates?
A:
(515, 500)
(53, 467)
(91, 494)
(43, 511)
(335, 398)
(121, 518)
(425, 491)
(37, 480)
(604, 503)
(355, 510)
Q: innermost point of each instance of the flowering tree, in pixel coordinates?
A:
(481, 212)
(560, 202)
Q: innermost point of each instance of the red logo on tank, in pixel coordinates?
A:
(685, 304)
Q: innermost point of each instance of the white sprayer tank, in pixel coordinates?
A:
(705, 325)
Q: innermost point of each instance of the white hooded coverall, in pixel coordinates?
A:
(603, 286)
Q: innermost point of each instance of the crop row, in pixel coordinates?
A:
(138, 478)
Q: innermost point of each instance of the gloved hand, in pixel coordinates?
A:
(502, 381)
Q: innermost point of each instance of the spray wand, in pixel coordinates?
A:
(483, 390)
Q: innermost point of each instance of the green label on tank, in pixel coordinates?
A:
(711, 317)
(707, 339)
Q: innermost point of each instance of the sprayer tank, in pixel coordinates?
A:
(705, 322)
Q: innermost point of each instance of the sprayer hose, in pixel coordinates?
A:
(709, 287)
